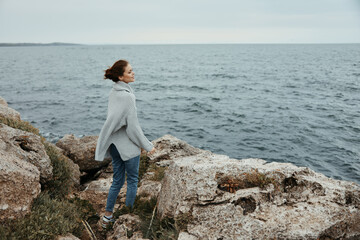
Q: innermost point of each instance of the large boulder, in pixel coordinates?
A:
(19, 183)
(27, 147)
(168, 148)
(81, 151)
(216, 197)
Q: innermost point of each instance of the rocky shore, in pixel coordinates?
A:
(184, 193)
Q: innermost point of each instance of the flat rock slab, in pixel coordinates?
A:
(297, 203)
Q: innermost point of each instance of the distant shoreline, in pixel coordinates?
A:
(154, 44)
(37, 44)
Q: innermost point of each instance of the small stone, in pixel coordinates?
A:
(4, 206)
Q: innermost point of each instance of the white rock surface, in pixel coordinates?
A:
(186, 236)
(169, 147)
(303, 204)
(19, 184)
(27, 147)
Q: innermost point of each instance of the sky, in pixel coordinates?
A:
(180, 21)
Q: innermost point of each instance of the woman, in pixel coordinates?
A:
(121, 137)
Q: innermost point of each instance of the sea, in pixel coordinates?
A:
(290, 103)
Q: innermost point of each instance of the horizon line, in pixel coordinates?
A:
(215, 43)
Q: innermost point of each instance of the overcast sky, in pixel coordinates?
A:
(180, 21)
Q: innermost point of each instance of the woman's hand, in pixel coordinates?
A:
(152, 151)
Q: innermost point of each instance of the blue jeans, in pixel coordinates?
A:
(131, 167)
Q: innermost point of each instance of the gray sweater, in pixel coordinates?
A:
(121, 126)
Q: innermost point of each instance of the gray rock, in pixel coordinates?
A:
(125, 224)
(19, 184)
(27, 147)
(81, 151)
(169, 148)
(224, 198)
(186, 236)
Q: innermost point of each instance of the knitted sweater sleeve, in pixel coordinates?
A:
(134, 130)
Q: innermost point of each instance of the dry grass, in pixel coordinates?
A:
(182, 220)
(61, 185)
(51, 213)
(159, 172)
(161, 229)
(143, 165)
(48, 218)
(246, 180)
(19, 124)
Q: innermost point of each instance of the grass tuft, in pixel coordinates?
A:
(60, 185)
(159, 172)
(247, 180)
(161, 229)
(19, 124)
(182, 220)
(143, 165)
(48, 219)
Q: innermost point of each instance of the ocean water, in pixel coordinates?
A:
(286, 103)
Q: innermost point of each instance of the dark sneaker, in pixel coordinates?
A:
(107, 222)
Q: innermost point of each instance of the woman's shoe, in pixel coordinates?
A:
(107, 222)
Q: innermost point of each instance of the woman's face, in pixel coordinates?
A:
(128, 76)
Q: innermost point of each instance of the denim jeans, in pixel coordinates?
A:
(131, 167)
